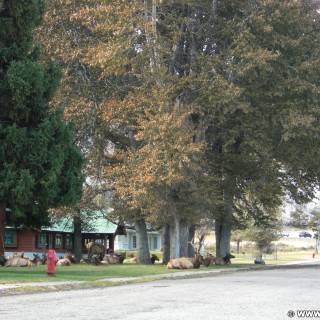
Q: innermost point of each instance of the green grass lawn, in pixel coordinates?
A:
(80, 272)
(84, 272)
(278, 258)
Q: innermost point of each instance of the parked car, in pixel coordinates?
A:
(305, 234)
(283, 234)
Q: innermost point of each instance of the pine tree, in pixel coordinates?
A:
(259, 97)
(40, 168)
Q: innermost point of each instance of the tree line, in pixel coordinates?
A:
(185, 111)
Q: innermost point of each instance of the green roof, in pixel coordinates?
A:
(98, 224)
(64, 225)
(102, 225)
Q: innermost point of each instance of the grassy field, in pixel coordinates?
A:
(84, 272)
(279, 257)
(78, 272)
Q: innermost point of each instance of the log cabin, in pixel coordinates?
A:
(60, 237)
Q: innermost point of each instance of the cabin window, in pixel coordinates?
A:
(155, 243)
(42, 240)
(10, 237)
(69, 241)
(58, 241)
(134, 242)
(50, 240)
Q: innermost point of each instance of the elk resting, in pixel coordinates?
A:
(225, 260)
(185, 263)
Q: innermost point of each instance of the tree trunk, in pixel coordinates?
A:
(223, 230)
(77, 229)
(223, 237)
(172, 233)
(2, 227)
(238, 246)
(166, 244)
(179, 238)
(142, 242)
(259, 258)
(176, 238)
(151, 37)
(223, 227)
(192, 231)
(184, 238)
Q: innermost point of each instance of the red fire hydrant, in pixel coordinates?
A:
(313, 254)
(51, 262)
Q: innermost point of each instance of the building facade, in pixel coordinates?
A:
(60, 237)
(129, 242)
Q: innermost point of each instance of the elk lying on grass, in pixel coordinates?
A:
(3, 259)
(35, 261)
(71, 257)
(154, 258)
(134, 259)
(19, 260)
(43, 259)
(225, 260)
(16, 260)
(64, 262)
(67, 260)
(95, 261)
(208, 260)
(185, 262)
(115, 259)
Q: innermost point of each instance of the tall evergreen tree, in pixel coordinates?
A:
(40, 168)
(259, 96)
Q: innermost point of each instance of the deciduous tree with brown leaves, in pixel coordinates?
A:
(194, 108)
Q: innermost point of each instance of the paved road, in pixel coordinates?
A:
(241, 295)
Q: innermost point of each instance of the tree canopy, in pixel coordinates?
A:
(40, 167)
(200, 108)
